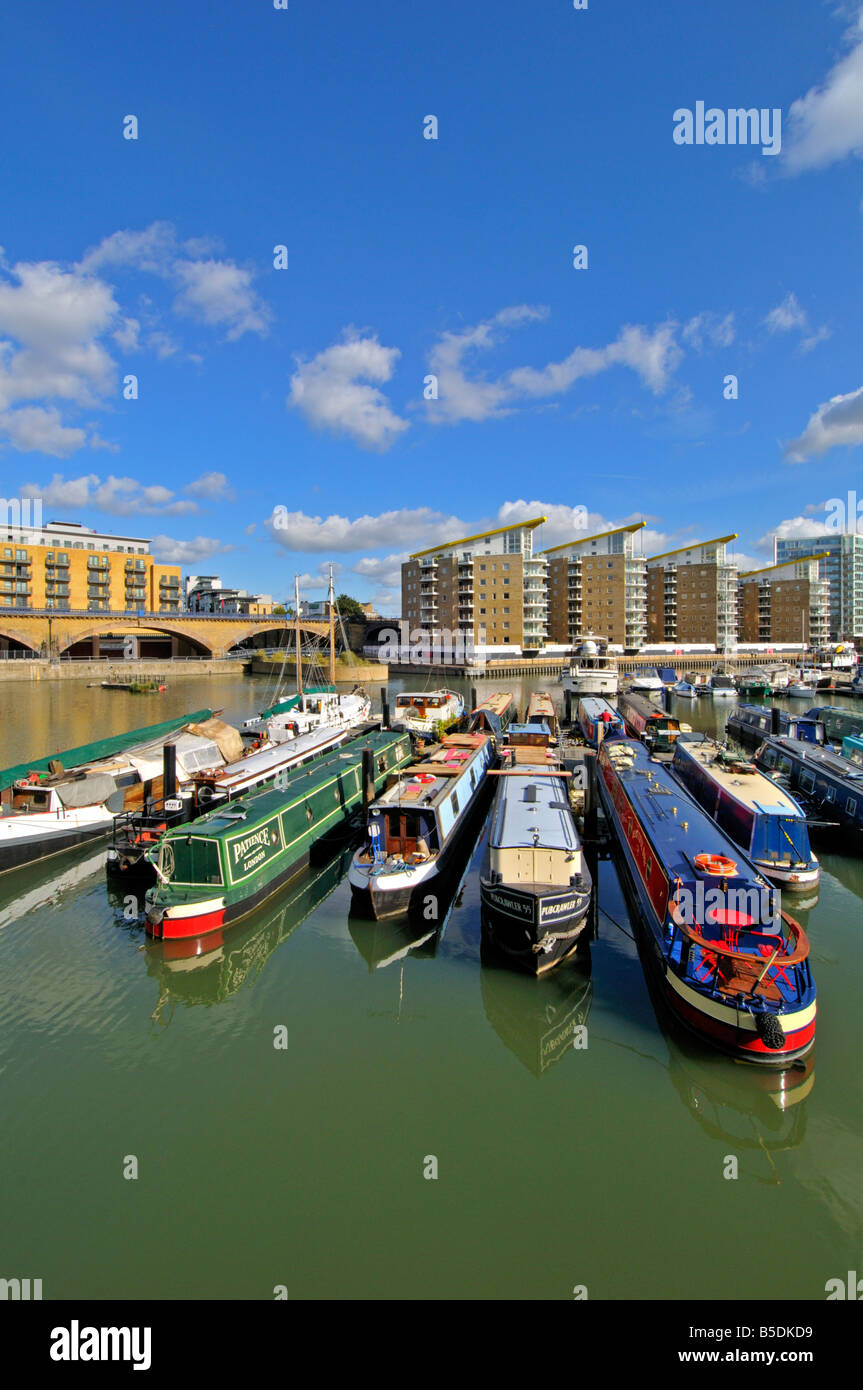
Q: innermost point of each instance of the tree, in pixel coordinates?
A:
(348, 607)
(278, 610)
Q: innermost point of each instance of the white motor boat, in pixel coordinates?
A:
(684, 690)
(646, 679)
(427, 711)
(590, 672)
(722, 686)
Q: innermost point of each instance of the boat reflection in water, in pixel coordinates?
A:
(751, 1111)
(29, 889)
(538, 1019)
(209, 969)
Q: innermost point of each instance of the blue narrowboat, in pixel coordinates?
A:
(838, 723)
(597, 720)
(752, 723)
(827, 784)
(760, 817)
(732, 966)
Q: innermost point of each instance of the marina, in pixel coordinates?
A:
(442, 981)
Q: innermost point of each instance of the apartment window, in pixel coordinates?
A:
(482, 610)
(20, 555)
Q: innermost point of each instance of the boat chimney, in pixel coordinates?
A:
(385, 708)
(169, 770)
(368, 778)
(775, 720)
(473, 697)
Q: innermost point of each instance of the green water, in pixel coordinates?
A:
(304, 1167)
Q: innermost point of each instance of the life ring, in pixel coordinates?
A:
(423, 777)
(715, 864)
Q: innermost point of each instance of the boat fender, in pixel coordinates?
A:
(770, 1031)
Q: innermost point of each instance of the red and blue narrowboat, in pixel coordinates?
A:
(597, 720)
(733, 967)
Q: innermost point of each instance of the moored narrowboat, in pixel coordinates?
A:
(185, 798)
(216, 870)
(838, 723)
(762, 819)
(597, 719)
(493, 715)
(751, 724)
(50, 806)
(416, 825)
(649, 722)
(535, 885)
(541, 710)
(732, 966)
(827, 785)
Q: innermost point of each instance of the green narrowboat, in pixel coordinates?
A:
(217, 869)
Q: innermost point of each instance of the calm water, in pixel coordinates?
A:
(303, 1167)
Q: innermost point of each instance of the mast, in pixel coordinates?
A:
(299, 646)
(332, 607)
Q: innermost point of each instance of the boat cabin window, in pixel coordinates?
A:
(769, 758)
(851, 806)
(195, 860)
(31, 799)
(807, 781)
(784, 765)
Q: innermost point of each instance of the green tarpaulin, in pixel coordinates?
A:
(102, 748)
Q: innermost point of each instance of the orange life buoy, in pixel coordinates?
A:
(423, 777)
(715, 864)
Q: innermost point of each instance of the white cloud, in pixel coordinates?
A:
(34, 428)
(708, 329)
(786, 315)
(174, 552)
(463, 398)
(115, 496)
(55, 317)
(329, 391)
(213, 486)
(214, 291)
(826, 124)
(653, 356)
(802, 528)
(220, 293)
(335, 533)
(838, 421)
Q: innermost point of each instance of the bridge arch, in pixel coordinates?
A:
(11, 640)
(64, 642)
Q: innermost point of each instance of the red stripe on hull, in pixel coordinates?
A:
(174, 928)
(730, 1037)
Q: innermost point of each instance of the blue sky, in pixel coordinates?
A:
(296, 396)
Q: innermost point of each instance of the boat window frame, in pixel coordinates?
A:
(171, 842)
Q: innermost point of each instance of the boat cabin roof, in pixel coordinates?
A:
(741, 779)
(426, 783)
(677, 826)
(595, 707)
(817, 754)
(251, 809)
(533, 812)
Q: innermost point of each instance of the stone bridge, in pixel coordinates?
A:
(51, 633)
